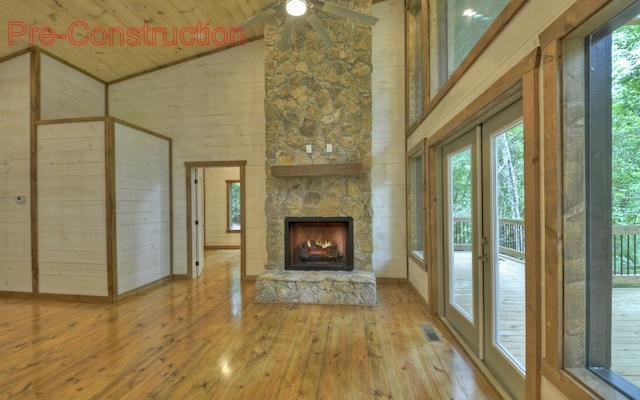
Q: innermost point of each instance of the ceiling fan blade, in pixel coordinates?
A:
(286, 32)
(317, 26)
(259, 17)
(348, 13)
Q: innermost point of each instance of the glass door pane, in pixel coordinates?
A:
(503, 243)
(461, 225)
(509, 327)
(462, 291)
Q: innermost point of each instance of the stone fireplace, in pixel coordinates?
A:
(318, 160)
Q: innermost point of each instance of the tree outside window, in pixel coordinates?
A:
(233, 206)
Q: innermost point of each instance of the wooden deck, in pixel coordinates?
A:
(207, 339)
(625, 351)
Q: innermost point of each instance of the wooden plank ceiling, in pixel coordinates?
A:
(86, 18)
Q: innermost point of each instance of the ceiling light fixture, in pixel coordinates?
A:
(296, 8)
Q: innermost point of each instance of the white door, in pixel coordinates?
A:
(483, 252)
(197, 229)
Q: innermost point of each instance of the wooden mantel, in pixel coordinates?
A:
(341, 169)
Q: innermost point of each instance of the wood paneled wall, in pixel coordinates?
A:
(143, 207)
(388, 142)
(15, 216)
(213, 110)
(215, 207)
(67, 92)
(72, 231)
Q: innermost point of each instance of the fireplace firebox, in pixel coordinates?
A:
(318, 243)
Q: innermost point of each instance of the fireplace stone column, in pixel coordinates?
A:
(317, 96)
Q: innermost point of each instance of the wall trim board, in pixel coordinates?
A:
(55, 297)
(143, 289)
(509, 85)
(423, 302)
(137, 127)
(34, 117)
(110, 198)
(68, 64)
(69, 120)
(14, 55)
(223, 247)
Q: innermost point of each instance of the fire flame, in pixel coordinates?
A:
(320, 243)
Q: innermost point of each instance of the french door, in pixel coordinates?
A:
(483, 246)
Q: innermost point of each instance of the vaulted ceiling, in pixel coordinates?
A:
(113, 39)
(77, 29)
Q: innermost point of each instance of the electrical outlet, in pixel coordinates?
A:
(309, 149)
(329, 148)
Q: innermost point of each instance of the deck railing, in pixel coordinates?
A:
(625, 251)
(625, 242)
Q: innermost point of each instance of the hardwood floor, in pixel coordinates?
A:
(207, 339)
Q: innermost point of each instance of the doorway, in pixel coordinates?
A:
(483, 223)
(229, 196)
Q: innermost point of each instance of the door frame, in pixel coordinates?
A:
(523, 80)
(189, 166)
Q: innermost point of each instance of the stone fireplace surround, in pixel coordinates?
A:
(318, 95)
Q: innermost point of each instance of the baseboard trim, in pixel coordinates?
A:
(143, 289)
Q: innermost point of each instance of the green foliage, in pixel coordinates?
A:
(234, 204)
(625, 118)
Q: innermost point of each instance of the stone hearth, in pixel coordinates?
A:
(317, 287)
(318, 95)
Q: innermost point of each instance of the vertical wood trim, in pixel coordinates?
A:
(552, 200)
(552, 366)
(407, 75)
(420, 147)
(34, 116)
(189, 171)
(426, 54)
(106, 99)
(432, 224)
(110, 202)
(243, 222)
(171, 204)
(530, 114)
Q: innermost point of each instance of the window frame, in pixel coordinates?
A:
(416, 219)
(229, 184)
(430, 101)
(584, 337)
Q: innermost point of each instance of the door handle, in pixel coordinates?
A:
(483, 258)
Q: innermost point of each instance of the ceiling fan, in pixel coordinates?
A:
(305, 8)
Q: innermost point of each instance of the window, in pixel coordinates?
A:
(456, 27)
(601, 158)
(233, 206)
(416, 204)
(416, 70)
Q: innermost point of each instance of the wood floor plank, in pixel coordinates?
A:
(207, 339)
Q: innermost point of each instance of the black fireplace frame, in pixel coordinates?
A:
(348, 264)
